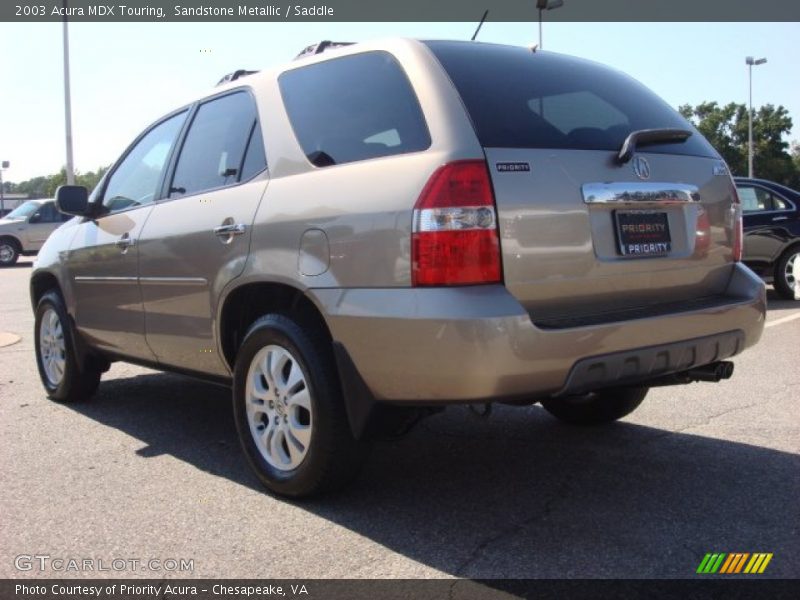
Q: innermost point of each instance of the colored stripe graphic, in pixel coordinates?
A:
(733, 563)
(758, 563)
(727, 564)
(711, 563)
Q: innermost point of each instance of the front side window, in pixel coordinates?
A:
(136, 180)
(213, 153)
(353, 108)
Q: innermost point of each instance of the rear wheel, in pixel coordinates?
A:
(594, 408)
(59, 369)
(9, 252)
(787, 274)
(289, 410)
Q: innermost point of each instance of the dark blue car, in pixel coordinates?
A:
(772, 233)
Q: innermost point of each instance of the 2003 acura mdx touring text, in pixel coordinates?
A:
(360, 237)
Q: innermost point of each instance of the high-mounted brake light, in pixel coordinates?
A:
(454, 239)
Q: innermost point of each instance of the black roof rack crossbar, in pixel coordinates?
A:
(321, 47)
(235, 75)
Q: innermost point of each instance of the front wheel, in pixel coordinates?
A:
(9, 252)
(595, 408)
(787, 274)
(62, 375)
(289, 410)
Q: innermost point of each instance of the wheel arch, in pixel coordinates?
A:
(41, 283)
(243, 305)
(13, 239)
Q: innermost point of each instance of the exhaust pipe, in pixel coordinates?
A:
(713, 373)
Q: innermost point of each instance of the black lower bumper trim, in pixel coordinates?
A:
(639, 365)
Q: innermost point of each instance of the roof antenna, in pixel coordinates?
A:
(483, 18)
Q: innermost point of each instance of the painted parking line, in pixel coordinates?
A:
(782, 320)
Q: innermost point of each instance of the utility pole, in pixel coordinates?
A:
(3, 165)
(749, 61)
(68, 104)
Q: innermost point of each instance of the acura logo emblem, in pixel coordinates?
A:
(641, 167)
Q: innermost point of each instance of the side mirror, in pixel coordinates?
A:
(35, 218)
(73, 200)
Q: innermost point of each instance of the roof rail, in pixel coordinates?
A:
(235, 75)
(321, 47)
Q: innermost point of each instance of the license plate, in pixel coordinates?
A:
(643, 233)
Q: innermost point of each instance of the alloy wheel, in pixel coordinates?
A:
(52, 347)
(279, 408)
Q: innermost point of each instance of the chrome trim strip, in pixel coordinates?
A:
(632, 191)
(88, 279)
(151, 280)
(174, 280)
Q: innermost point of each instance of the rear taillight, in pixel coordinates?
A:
(454, 239)
(737, 225)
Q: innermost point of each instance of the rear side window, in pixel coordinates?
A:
(757, 199)
(254, 159)
(48, 213)
(213, 152)
(520, 99)
(353, 108)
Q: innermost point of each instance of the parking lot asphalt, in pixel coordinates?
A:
(151, 469)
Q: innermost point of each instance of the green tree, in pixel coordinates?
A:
(46, 186)
(726, 128)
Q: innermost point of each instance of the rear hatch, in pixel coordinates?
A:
(583, 232)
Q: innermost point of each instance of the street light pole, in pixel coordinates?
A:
(543, 5)
(68, 104)
(749, 61)
(3, 165)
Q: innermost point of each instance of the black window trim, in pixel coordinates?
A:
(256, 125)
(172, 164)
(771, 191)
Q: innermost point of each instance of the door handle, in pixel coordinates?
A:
(125, 242)
(774, 219)
(229, 230)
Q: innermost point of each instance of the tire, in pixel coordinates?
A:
(596, 408)
(787, 274)
(289, 411)
(9, 252)
(59, 369)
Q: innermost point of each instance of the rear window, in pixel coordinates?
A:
(353, 108)
(520, 99)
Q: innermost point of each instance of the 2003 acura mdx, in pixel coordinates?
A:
(377, 230)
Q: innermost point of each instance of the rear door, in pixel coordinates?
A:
(767, 217)
(582, 232)
(198, 237)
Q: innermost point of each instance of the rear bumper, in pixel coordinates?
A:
(475, 344)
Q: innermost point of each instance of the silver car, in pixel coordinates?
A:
(368, 234)
(25, 229)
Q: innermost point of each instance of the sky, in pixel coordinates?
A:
(124, 76)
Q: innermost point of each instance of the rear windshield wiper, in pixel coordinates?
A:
(645, 137)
